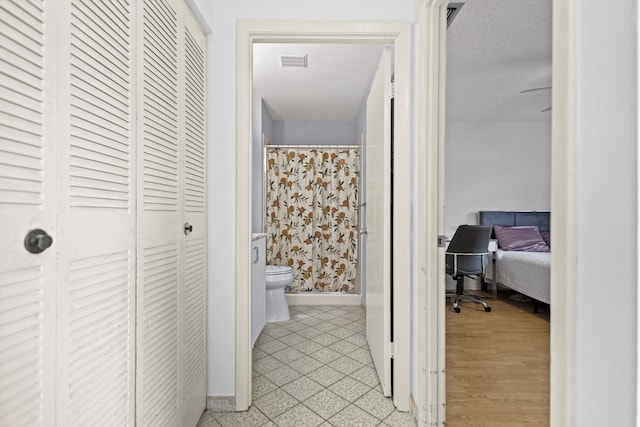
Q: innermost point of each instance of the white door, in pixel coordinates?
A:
(68, 171)
(96, 215)
(193, 310)
(27, 202)
(66, 314)
(159, 228)
(171, 373)
(378, 220)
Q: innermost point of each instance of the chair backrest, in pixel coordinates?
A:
(468, 239)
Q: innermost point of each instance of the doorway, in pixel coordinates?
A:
(498, 157)
(432, 41)
(397, 35)
(308, 108)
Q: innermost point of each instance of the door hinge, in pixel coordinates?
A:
(392, 90)
(393, 350)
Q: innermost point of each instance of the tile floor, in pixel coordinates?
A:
(314, 370)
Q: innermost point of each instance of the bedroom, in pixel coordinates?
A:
(497, 158)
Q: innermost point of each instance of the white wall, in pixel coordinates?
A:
(221, 174)
(267, 122)
(314, 132)
(257, 177)
(606, 196)
(261, 124)
(495, 165)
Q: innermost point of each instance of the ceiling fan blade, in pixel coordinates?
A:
(545, 110)
(535, 89)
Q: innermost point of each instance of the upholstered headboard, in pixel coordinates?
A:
(541, 219)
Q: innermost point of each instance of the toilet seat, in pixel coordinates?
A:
(278, 269)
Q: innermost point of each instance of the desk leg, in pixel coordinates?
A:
(494, 274)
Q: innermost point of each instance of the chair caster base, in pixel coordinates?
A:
(459, 298)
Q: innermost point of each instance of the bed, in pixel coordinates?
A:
(522, 271)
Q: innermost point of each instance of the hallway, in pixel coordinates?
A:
(314, 370)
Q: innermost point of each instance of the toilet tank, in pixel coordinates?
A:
(258, 287)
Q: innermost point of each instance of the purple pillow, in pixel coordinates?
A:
(520, 238)
(546, 235)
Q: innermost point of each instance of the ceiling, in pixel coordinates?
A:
(333, 86)
(495, 50)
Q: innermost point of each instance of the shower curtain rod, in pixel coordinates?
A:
(313, 146)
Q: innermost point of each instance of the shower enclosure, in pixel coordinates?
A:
(311, 202)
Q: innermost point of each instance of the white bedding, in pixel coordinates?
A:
(526, 272)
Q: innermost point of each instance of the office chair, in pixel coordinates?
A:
(467, 255)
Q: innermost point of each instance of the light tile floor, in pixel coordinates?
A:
(314, 370)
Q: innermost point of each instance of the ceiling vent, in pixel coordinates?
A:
(294, 61)
(452, 11)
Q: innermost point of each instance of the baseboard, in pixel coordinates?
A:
(221, 403)
(324, 298)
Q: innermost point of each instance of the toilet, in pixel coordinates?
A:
(277, 278)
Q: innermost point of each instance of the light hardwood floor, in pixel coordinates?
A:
(497, 364)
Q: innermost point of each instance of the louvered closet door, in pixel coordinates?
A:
(96, 275)
(171, 388)
(159, 233)
(193, 293)
(27, 201)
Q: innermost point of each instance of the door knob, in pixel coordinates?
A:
(37, 241)
(188, 228)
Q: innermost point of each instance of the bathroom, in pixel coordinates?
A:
(308, 210)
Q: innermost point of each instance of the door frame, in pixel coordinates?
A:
(397, 34)
(431, 80)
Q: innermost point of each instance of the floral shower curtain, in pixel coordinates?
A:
(312, 216)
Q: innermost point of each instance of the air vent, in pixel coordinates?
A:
(452, 11)
(294, 61)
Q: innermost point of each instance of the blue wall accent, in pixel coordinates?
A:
(314, 132)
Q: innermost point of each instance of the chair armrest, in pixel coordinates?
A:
(467, 254)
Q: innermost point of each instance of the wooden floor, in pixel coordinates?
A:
(498, 364)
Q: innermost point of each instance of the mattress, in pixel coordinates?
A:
(526, 272)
